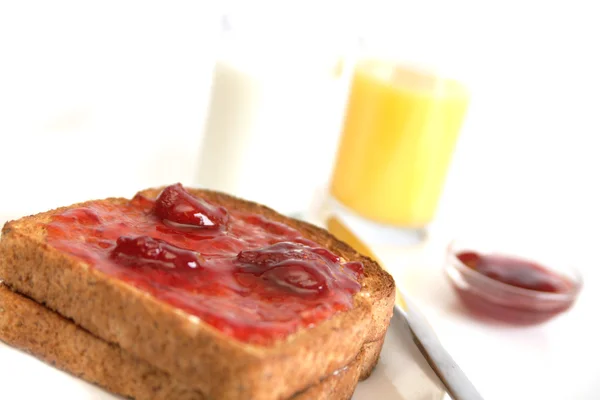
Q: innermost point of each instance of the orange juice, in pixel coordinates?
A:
(397, 141)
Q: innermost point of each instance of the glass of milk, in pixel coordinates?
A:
(277, 102)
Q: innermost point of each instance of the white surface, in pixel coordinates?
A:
(111, 96)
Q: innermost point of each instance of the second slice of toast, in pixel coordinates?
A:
(35, 329)
(182, 345)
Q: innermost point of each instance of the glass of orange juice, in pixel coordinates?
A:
(396, 144)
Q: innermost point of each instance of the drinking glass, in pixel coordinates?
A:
(402, 121)
(276, 107)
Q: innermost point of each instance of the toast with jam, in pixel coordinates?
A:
(222, 296)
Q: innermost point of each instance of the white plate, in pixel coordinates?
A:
(398, 375)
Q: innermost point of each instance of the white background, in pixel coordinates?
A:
(127, 81)
(104, 98)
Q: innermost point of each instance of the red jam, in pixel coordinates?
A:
(252, 278)
(515, 272)
(538, 304)
(176, 205)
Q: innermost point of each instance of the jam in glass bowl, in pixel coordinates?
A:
(509, 287)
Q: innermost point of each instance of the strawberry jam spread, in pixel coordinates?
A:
(248, 276)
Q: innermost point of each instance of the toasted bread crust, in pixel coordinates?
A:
(197, 354)
(35, 329)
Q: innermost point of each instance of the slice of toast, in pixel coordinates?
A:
(180, 344)
(35, 329)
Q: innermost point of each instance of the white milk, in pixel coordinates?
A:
(272, 127)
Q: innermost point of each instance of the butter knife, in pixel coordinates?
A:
(454, 380)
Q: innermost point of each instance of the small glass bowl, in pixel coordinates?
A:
(490, 298)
